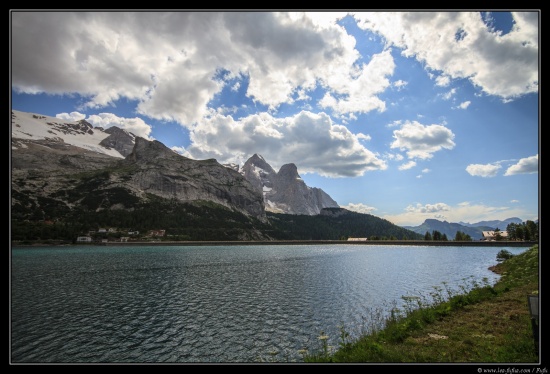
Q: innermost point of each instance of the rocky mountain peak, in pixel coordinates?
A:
(258, 162)
(285, 191)
(119, 139)
(289, 172)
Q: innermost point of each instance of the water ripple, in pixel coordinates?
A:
(213, 304)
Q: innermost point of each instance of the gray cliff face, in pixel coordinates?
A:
(285, 191)
(120, 140)
(53, 169)
(158, 170)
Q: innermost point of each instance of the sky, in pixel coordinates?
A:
(405, 115)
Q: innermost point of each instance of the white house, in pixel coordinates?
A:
(357, 239)
(490, 235)
(84, 239)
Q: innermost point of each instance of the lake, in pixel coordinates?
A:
(218, 304)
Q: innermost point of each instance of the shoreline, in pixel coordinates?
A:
(295, 242)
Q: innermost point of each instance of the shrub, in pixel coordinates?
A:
(504, 255)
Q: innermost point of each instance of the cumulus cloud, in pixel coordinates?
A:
(73, 116)
(460, 45)
(359, 208)
(483, 170)
(422, 141)
(178, 150)
(313, 141)
(359, 94)
(169, 61)
(529, 165)
(170, 65)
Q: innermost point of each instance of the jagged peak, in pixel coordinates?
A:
(257, 156)
(258, 161)
(289, 170)
(116, 130)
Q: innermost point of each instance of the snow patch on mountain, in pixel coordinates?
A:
(30, 126)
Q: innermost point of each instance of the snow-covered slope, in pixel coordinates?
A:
(29, 126)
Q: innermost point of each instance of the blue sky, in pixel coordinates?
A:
(403, 115)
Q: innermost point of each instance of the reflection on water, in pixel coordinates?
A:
(215, 304)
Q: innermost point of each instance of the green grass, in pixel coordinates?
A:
(488, 324)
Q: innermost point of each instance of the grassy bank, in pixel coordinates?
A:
(488, 324)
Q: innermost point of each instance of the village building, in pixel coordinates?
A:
(491, 235)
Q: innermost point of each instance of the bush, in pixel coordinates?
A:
(504, 255)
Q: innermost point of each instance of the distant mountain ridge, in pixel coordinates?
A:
(494, 223)
(450, 229)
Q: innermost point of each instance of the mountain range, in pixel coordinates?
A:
(69, 170)
(74, 177)
(475, 230)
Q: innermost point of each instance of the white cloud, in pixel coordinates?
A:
(483, 170)
(134, 125)
(178, 150)
(501, 65)
(359, 208)
(359, 94)
(73, 116)
(395, 123)
(442, 80)
(449, 94)
(424, 171)
(464, 105)
(363, 136)
(428, 208)
(399, 84)
(407, 165)
(529, 165)
(312, 141)
(170, 61)
(422, 141)
(394, 156)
